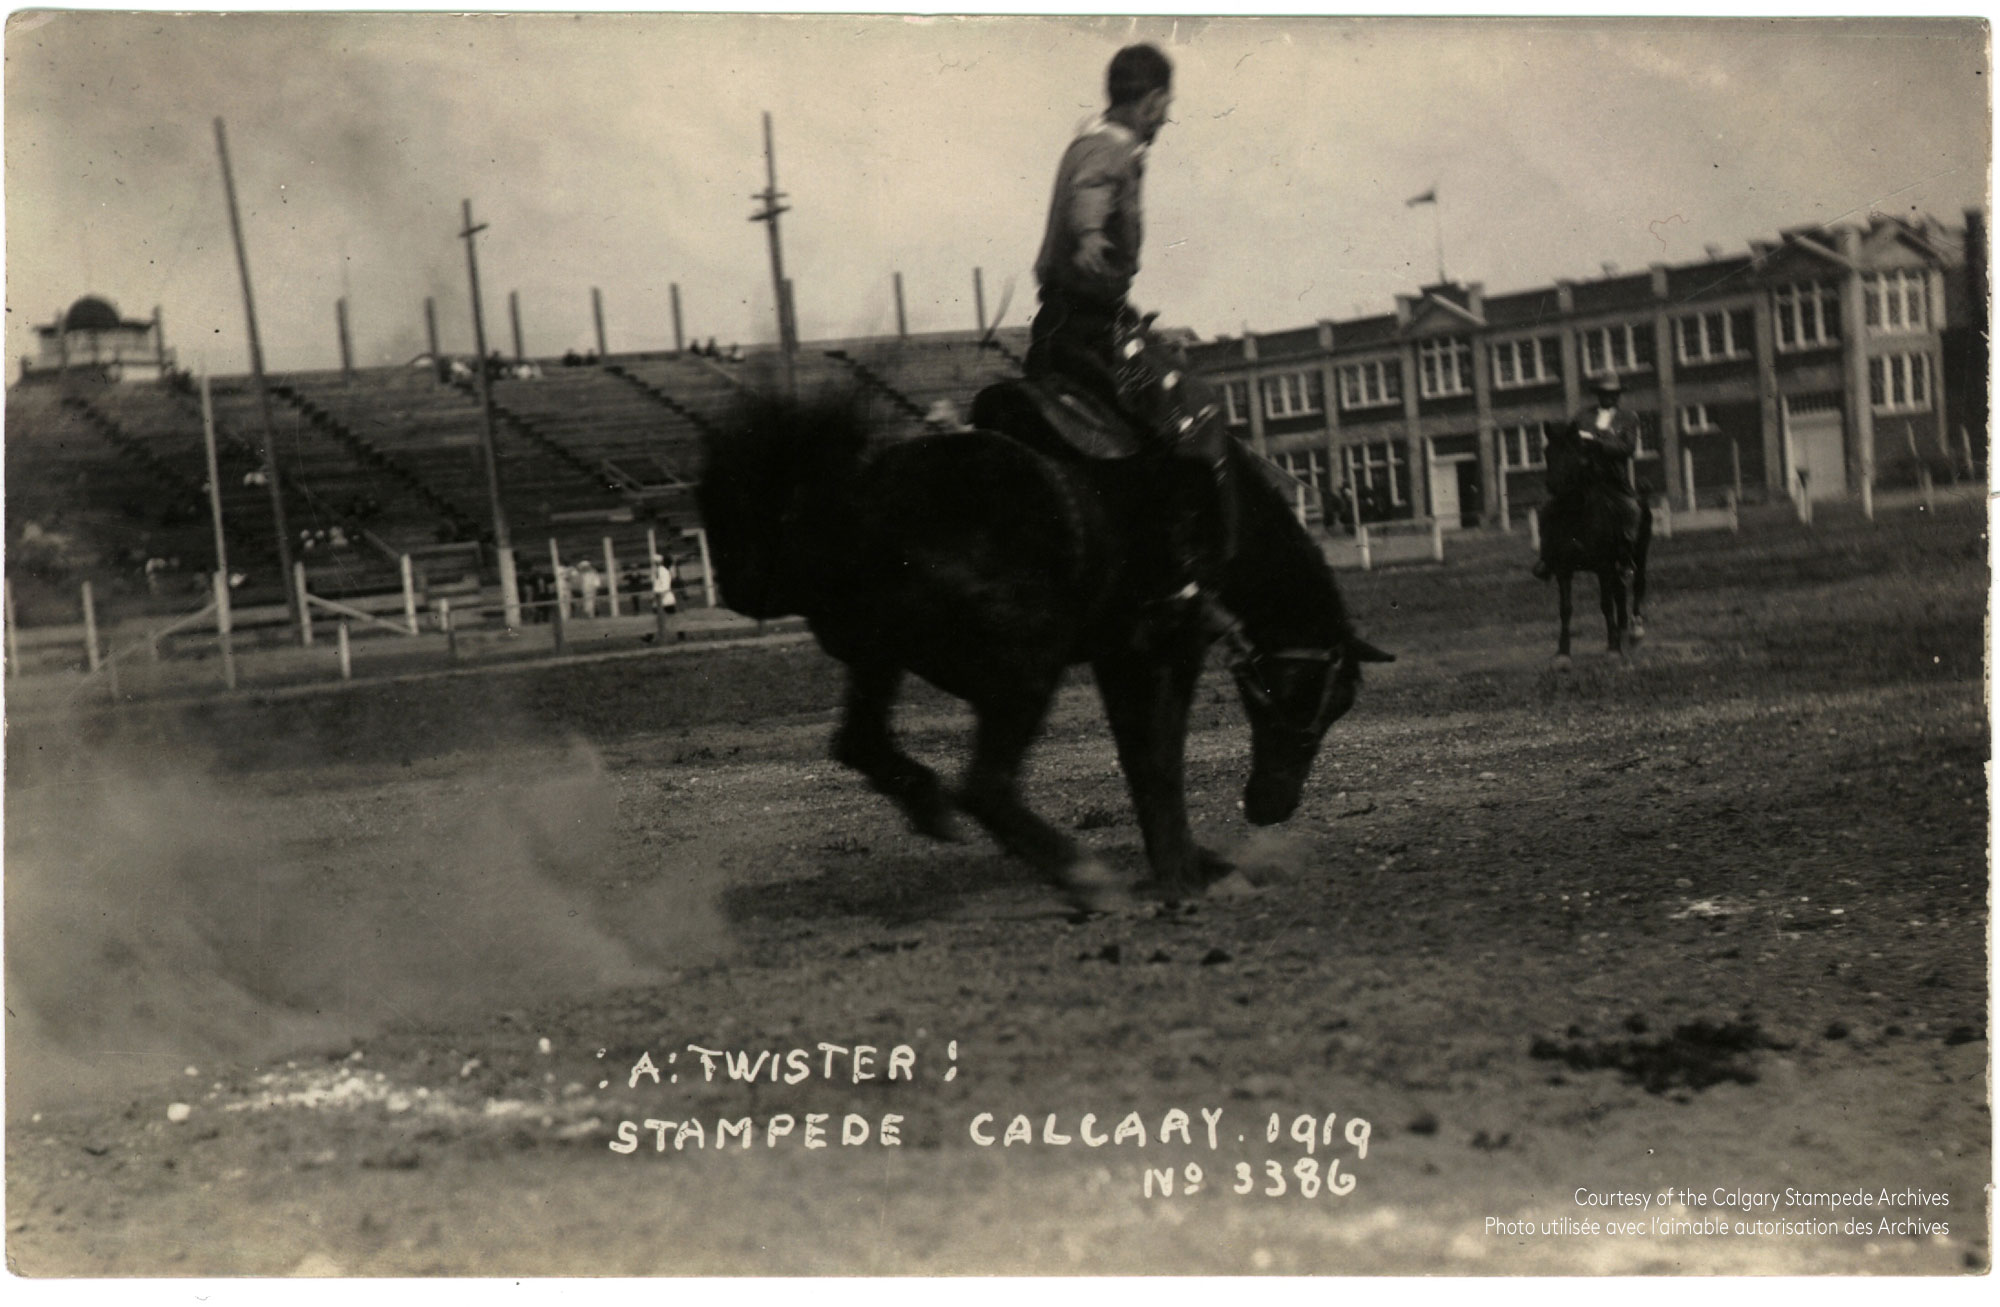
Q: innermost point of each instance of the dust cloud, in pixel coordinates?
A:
(158, 917)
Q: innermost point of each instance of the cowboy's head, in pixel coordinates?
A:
(1609, 388)
(1140, 87)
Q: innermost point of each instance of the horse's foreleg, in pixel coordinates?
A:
(991, 793)
(864, 743)
(1563, 609)
(1147, 704)
(1611, 598)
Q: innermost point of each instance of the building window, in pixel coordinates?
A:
(1808, 314)
(1380, 467)
(1900, 383)
(1695, 419)
(1624, 348)
(1370, 385)
(1312, 466)
(1713, 337)
(1526, 362)
(1444, 367)
(1293, 394)
(1522, 448)
(1896, 301)
(1236, 402)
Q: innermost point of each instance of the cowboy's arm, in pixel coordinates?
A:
(1093, 196)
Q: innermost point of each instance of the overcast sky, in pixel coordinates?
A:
(621, 153)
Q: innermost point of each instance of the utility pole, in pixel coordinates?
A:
(680, 342)
(902, 319)
(271, 482)
(979, 299)
(597, 318)
(771, 195)
(510, 596)
(514, 317)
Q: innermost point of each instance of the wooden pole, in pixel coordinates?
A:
(1506, 512)
(214, 478)
(1735, 473)
(450, 628)
(409, 594)
(597, 316)
(1971, 464)
(431, 334)
(769, 216)
(299, 593)
(346, 657)
(13, 634)
(1367, 554)
(503, 544)
(680, 341)
(611, 575)
(514, 317)
(902, 318)
(707, 572)
(979, 300)
(346, 341)
(224, 630)
(90, 628)
(1535, 530)
(1868, 492)
(559, 614)
(1437, 539)
(263, 392)
(1687, 476)
(160, 345)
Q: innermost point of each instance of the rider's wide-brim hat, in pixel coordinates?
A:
(1609, 382)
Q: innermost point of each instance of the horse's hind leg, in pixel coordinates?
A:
(991, 793)
(864, 743)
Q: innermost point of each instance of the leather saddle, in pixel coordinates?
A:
(1054, 416)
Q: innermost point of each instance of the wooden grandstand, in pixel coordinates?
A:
(388, 462)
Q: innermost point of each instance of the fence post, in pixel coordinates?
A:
(707, 571)
(558, 615)
(346, 658)
(1535, 530)
(1506, 512)
(1687, 477)
(1735, 473)
(1734, 525)
(1367, 556)
(223, 626)
(305, 609)
(557, 590)
(13, 635)
(1804, 504)
(611, 575)
(1437, 540)
(410, 594)
(1971, 464)
(1924, 485)
(1666, 518)
(450, 630)
(1868, 492)
(90, 628)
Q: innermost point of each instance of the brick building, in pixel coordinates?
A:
(1792, 369)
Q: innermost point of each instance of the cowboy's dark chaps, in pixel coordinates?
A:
(1109, 351)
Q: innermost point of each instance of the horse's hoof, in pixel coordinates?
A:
(1091, 886)
(1560, 663)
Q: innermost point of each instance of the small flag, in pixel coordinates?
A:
(1428, 197)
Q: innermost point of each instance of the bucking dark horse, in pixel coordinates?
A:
(1582, 525)
(987, 567)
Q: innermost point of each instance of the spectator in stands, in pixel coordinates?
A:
(588, 582)
(572, 359)
(663, 586)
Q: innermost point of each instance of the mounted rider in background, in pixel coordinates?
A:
(1086, 333)
(1607, 440)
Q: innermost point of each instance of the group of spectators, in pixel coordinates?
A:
(583, 585)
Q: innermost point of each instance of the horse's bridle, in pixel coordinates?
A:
(1251, 682)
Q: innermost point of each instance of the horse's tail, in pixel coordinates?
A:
(775, 498)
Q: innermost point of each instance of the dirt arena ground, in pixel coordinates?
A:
(356, 983)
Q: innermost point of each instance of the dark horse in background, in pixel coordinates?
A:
(1586, 539)
(987, 568)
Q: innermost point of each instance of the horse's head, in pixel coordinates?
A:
(1292, 696)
